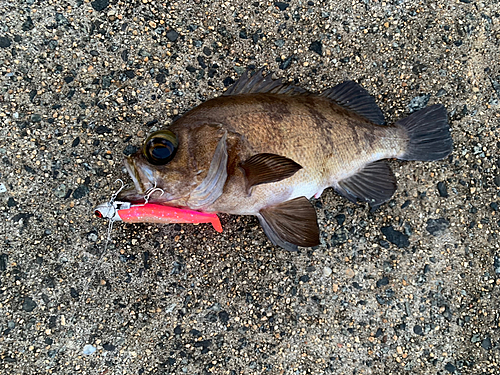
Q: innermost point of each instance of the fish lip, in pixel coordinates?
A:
(132, 171)
(143, 181)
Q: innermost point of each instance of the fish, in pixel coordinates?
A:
(265, 147)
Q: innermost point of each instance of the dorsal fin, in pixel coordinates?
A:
(355, 98)
(258, 83)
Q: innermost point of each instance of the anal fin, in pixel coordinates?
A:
(291, 224)
(374, 184)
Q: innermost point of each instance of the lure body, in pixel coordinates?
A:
(154, 213)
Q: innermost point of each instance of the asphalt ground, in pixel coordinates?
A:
(412, 288)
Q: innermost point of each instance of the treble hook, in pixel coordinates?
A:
(150, 192)
(114, 195)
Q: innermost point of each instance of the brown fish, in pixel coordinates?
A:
(265, 147)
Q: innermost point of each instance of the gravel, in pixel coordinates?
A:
(411, 288)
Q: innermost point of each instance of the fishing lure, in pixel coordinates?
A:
(154, 213)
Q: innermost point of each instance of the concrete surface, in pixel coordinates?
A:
(412, 288)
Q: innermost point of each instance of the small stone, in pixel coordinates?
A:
(382, 282)
(129, 73)
(89, 349)
(207, 51)
(281, 5)
(76, 142)
(449, 367)
(496, 180)
(418, 330)
(496, 264)
(316, 47)
(60, 191)
(286, 63)
(28, 24)
(4, 42)
(160, 78)
(3, 189)
(11, 202)
(223, 316)
(172, 35)
(74, 293)
(349, 273)
(81, 191)
(36, 117)
(108, 347)
(178, 330)
(228, 81)
(105, 82)
(304, 278)
(340, 236)
(3, 262)
(130, 149)
(28, 304)
(327, 271)
(418, 102)
(443, 189)
(486, 343)
(100, 5)
(395, 237)
(441, 92)
(437, 227)
(101, 129)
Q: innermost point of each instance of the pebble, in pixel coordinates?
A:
(108, 347)
(3, 261)
(437, 227)
(382, 282)
(418, 330)
(89, 349)
(81, 191)
(28, 24)
(281, 5)
(486, 343)
(28, 304)
(418, 102)
(4, 42)
(172, 35)
(496, 264)
(450, 367)
(100, 5)
(340, 236)
(443, 189)
(130, 149)
(316, 47)
(60, 191)
(327, 271)
(3, 189)
(395, 237)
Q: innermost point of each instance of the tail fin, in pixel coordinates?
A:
(429, 134)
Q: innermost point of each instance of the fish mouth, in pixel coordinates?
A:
(145, 187)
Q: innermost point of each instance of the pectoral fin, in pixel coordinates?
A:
(374, 184)
(265, 168)
(291, 224)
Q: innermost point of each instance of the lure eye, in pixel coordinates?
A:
(160, 147)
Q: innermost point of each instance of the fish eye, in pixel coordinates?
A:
(160, 147)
